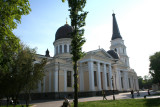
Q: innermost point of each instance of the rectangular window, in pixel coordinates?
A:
(129, 82)
(69, 79)
(95, 78)
(107, 79)
(122, 81)
(60, 48)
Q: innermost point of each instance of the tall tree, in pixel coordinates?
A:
(155, 67)
(27, 72)
(78, 17)
(10, 15)
(140, 82)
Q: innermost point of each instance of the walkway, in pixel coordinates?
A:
(127, 95)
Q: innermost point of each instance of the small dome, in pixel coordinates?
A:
(113, 54)
(64, 32)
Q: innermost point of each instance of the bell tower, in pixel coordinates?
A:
(117, 43)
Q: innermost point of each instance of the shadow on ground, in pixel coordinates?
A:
(152, 102)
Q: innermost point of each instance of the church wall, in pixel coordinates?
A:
(52, 79)
(61, 81)
(70, 89)
(86, 81)
(47, 82)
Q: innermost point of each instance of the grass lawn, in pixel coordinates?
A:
(122, 103)
(157, 94)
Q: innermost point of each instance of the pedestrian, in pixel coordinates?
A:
(66, 103)
(148, 92)
(132, 94)
(138, 94)
(104, 95)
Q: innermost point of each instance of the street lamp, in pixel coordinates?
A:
(113, 88)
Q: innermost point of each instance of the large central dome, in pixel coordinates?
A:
(64, 32)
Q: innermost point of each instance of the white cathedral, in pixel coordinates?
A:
(98, 69)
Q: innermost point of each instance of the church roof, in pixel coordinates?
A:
(116, 34)
(113, 54)
(64, 32)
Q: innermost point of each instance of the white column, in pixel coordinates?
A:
(81, 78)
(44, 78)
(104, 78)
(118, 80)
(110, 76)
(39, 86)
(125, 80)
(132, 83)
(99, 77)
(62, 48)
(65, 80)
(67, 48)
(72, 80)
(91, 76)
(137, 84)
(49, 81)
(56, 81)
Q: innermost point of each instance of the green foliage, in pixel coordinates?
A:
(145, 82)
(78, 17)
(24, 73)
(140, 80)
(29, 72)
(122, 103)
(10, 15)
(155, 67)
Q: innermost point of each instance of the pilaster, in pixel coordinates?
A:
(99, 77)
(110, 76)
(91, 76)
(105, 78)
(49, 81)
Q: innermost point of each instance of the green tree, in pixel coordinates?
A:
(155, 67)
(147, 82)
(10, 15)
(27, 72)
(78, 17)
(140, 82)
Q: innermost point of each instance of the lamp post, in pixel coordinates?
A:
(113, 88)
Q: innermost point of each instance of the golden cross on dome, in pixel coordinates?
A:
(66, 20)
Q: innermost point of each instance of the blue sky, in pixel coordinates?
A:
(138, 21)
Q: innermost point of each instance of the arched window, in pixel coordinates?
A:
(56, 49)
(60, 48)
(65, 48)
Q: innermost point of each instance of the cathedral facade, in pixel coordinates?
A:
(98, 70)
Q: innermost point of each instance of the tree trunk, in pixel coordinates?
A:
(7, 101)
(75, 86)
(27, 98)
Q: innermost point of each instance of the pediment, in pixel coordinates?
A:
(100, 53)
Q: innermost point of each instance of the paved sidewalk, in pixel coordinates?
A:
(49, 103)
